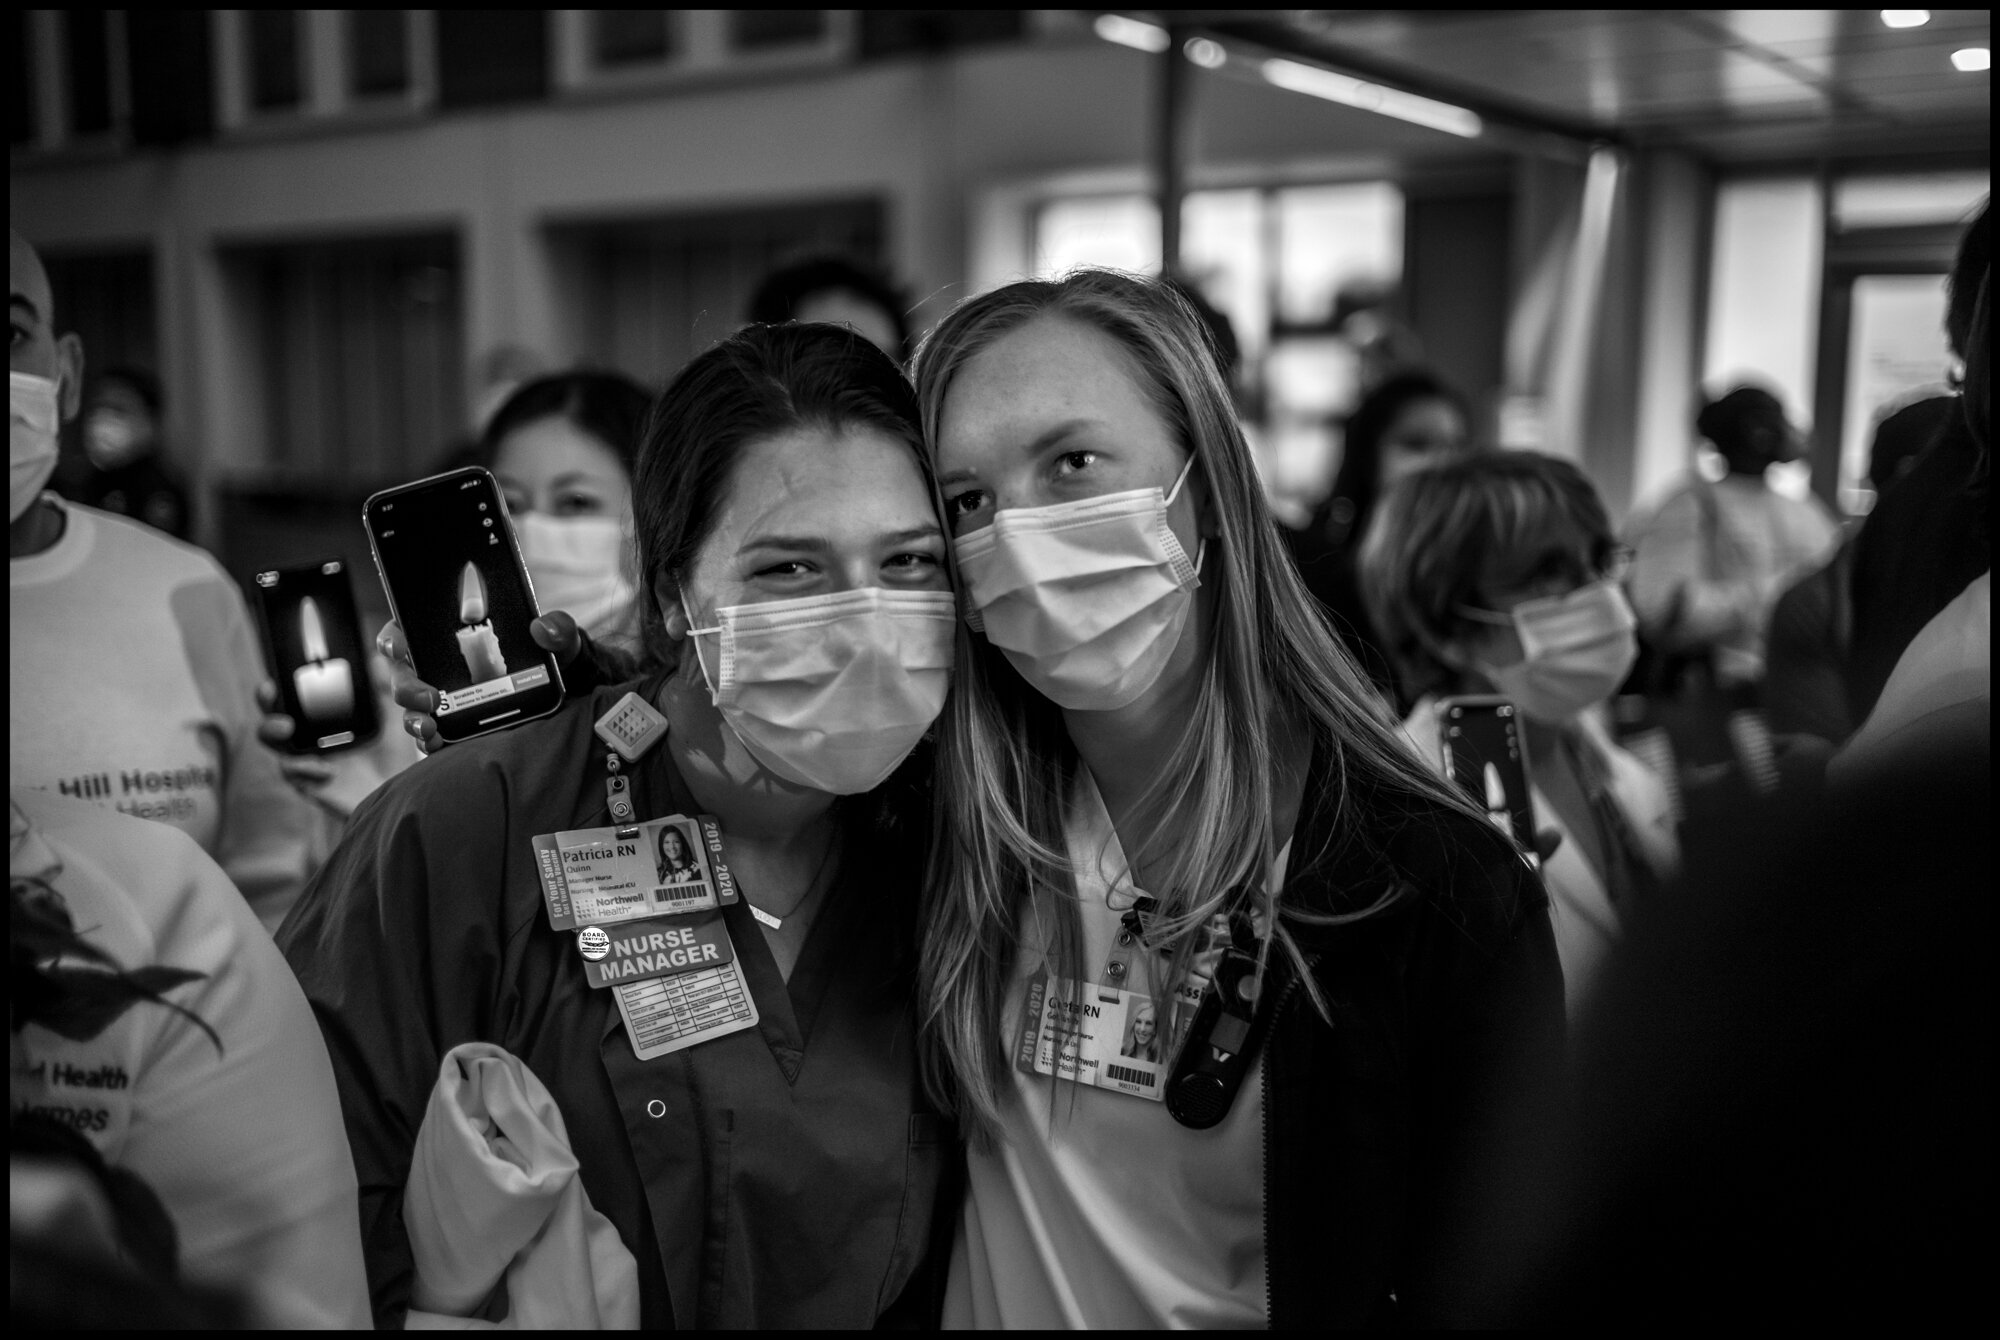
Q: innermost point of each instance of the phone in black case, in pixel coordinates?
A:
(1482, 747)
(446, 552)
(313, 642)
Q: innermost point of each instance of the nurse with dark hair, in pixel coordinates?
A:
(672, 861)
(838, 290)
(1413, 419)
(562, 449)
(782, 1171)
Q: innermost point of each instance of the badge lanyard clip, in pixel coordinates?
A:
(617, 791)
(631, 727)
(1131, 938)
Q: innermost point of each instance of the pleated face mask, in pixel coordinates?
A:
(1086, 599)
(833, 691)
(1576, 651)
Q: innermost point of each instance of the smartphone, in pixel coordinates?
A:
(445, 549)
(313, 643)
(1482, 747)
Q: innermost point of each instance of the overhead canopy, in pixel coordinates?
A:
(1730, 85)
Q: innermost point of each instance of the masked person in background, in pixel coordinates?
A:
(1411, 421)
(1155, 730)
(840, 290)
(1497, 573)
(121, 440)
(561, 448)
(132, 669)
(772, 1162)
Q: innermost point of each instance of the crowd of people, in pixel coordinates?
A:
(1097, 933)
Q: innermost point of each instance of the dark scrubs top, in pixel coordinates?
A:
(783, 1176)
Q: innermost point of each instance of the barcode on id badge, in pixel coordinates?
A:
(1129, 1075)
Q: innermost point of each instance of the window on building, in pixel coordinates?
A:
(1763, 294)
(107, 299)
(361, 352)
(1764, 276)
(768, 29)
(653, 293)
(1282, 264)
(173, 85)
(1896, 354)
(378, 53)
(21, 118)
(901, 32)
(276, 74)
(622, 37)
(491, 56)
(87, 61)
(1119, 231)
(1908, 198)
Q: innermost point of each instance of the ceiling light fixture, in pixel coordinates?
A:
(1206, 52)
(1130, 32)
(1971, 60)
(1352, 92)
(1906, 18)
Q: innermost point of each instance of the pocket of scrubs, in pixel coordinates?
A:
(923, 1171)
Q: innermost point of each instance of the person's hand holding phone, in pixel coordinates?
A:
(337, 782)
(461, 600)
(554, 632)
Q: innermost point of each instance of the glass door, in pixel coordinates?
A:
(1896, 355)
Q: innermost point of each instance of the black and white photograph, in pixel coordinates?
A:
(1318, 669)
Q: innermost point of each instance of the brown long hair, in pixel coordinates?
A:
(1005, 760)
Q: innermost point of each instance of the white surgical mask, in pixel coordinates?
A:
(833, 691)
(34, 416)
(577, 564)
(1086, 599)
(1578, 649)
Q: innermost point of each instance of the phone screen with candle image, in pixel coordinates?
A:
(318, 658)
(445, 548)
(1482, 746)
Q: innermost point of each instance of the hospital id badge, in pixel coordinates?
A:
(661, 868)
(1102, 1036)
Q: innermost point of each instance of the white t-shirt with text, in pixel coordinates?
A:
(131, 681)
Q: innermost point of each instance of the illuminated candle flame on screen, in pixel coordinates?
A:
(1496, 799)
(471, 596)
(477, 642)
(311, 632)
(325, 684)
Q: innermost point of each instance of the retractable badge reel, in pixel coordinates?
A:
(631, 727)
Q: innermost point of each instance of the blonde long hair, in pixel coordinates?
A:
(1005, 760)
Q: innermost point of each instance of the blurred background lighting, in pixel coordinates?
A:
(1341, 88)
(1208, 54)
(1972, 59)
(1127, 32)
(1906, 18)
